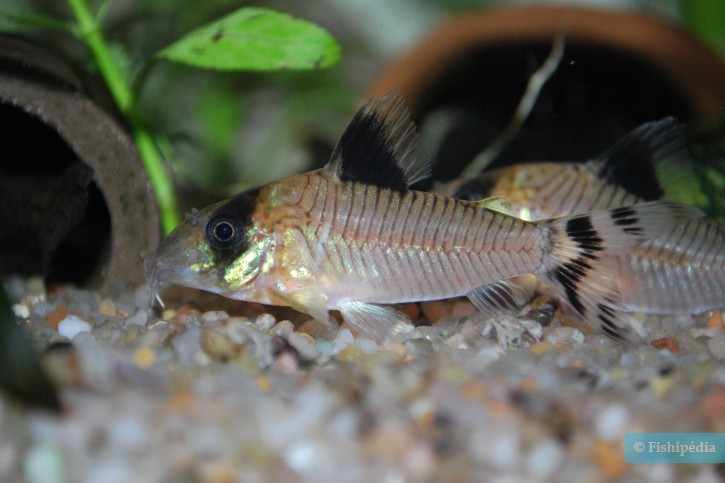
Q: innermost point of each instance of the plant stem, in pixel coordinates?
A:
(91, 34)
(118, 85)
(706, 19)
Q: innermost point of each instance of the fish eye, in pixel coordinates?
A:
(224, 233)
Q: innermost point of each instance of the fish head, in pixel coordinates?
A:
(219, 249)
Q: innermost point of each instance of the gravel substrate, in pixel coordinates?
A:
(217, 391)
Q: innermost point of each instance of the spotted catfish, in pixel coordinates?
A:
(681, 271)
(352, 236)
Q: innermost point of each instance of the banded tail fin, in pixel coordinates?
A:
(581, 245)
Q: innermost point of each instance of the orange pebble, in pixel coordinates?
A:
(541, 347)
(529, 384)
(610, 459)
(716, 321)
(55, 316)
(474, 391)
(217, 471)
(666, 343)
(435, 310)
(713, 405)
(411, 310)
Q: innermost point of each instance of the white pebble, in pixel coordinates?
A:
(44, 464)
(109, 471)
(717, 346)
(305, 345)
(188, 348)
(628, 360)
(127, 433)
(532, 327)
(367, 346)
(566, 334)
(305, 456)
(142, 297)
(239, 330)
(214, 315)
(457, 341)
(41, 308)
(578, 336)
(21, 310)
(544, 460)
(704, 332)
(71, 326)
(139, 318)
(208, 440)
(419, 461)
(505, 455)
(284, 328)
(343, 339)
(344, 424)
(611, 424)
(265, 321)
(325, 347)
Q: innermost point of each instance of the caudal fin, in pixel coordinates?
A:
(578, 269)
(681, 272)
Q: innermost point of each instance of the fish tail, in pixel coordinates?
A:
(577, 266)
(681, 272)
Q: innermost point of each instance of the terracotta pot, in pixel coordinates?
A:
(77, 205)
(619, 70)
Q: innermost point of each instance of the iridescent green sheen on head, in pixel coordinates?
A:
(216, 249)
(242, 270)
(207, 262)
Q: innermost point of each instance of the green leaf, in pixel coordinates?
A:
(255, 39)
(707, 19)
(11, 21)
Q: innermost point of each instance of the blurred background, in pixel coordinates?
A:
(231, 131)
(225, 132)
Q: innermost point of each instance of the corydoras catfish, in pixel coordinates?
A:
(650, 163)
(681, 271)
(352, 236)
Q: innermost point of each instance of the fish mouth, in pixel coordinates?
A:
(163, 268)
(152, 266)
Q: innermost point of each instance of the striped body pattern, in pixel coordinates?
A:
(388, 246)
(353, 236)
(647, 164)
(546, 190)
(680, 271)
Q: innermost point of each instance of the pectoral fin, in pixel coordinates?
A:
(500, 297)
(376, 322)
(307, 301)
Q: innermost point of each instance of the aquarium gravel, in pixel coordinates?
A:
(215, 391)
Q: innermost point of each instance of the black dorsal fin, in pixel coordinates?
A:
(380, 146)
(633, 161)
